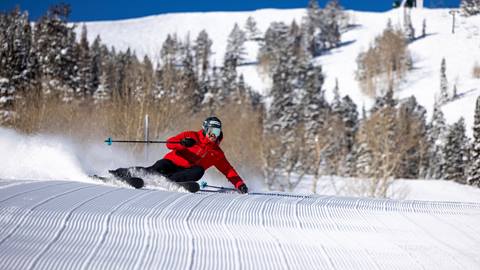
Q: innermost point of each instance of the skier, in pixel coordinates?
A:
(192, 153)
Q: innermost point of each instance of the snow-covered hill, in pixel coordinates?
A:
(73, 225)
(461, 50)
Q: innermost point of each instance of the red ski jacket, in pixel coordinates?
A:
(204, 153)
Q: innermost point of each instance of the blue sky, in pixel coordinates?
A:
(88, 10)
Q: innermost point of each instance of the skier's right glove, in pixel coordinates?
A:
(243, 188)
(188, 142)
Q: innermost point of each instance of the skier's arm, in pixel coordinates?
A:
(172, 142)
(224, 167)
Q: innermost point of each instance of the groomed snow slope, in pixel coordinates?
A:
(74, 225)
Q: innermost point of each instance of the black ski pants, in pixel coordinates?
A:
(176, 173)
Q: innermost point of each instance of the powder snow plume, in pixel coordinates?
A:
(53, 157)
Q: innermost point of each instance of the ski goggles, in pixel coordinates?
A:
(215, 131)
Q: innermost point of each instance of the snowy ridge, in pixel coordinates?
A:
(74, 225)
(146, 35)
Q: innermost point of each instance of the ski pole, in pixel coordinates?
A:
(109, 141)
(204, 184)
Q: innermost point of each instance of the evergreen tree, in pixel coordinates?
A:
(170, 50)
(336, 103)
(276, 39)
(470, 7)
(203, 51)
(329, 35)
(191, 93)
(436, 134)
(57, 54)
(349, 114)
(236, 45)
(411, 125)
(424, 28)
(444, 97)
(85, 86)
(252, 31)
(311, 27)
(16, 60)
(280, 127)
(315, 111)
(95, 66)
(474, 170)
(455, 153)
(407, 25)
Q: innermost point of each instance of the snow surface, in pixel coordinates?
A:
(461, 50)
(73, 225)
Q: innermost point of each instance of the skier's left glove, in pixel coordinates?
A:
(243, 188)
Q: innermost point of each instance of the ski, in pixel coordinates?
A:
(135, 182)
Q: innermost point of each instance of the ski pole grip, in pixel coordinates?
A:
(109, 141)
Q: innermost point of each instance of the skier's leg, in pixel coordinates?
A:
(191, 174)
(164, 167)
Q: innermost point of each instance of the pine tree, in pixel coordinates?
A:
(411, 125)
(55, 46)
(350, 119)
(276, 39)
(474, 170)
(424, 28)
(202, 51)
(311, 26)
(470, 7)
(96, 59)
(336, 103)
(315, 112)
(252, 31)
(170, 51)
(444, 96)
(190, 91)
(436, 133)
(15, 60)
(279, 129)
(329, 27)
(455, 153)
(236, 45)
(84, 62)
(407, 25)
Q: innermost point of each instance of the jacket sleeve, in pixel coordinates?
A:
(224, 167)
(177, 138)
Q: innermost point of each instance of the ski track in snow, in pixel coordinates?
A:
(74, 225)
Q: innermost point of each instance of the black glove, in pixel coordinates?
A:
(243, 188)
(188, 142)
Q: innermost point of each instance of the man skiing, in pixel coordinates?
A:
(192, 152)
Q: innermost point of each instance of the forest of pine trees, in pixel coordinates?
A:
(50, 79)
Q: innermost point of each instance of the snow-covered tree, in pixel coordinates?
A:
(455, 153)
(236, 45)
(470, 7)
(85, 86)
(251, 29)
(276, 39)
(407, 25)
(474, 170)
(203, 51)
(329, 26)
(444, 96)
(55, 46)
(411, 125)
(436, 134)
(424, 28)
(315, 110)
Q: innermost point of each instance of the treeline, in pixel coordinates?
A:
(50, 80)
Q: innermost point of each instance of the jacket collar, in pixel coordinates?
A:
(205, 141)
